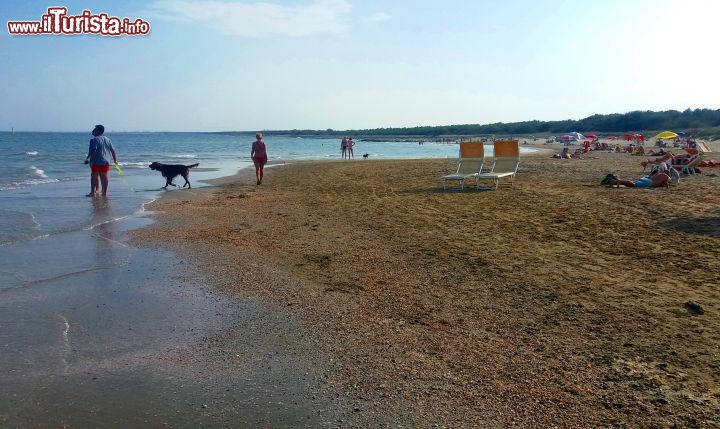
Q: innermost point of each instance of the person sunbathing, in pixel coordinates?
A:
(659, 180)
(682, 160)
(663, 159)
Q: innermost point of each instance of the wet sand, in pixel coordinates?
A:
(97, 333)
(553, 303)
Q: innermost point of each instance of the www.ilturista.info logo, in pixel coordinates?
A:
(57, 21)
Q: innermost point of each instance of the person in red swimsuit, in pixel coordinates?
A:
(99, 154)
(259, 156)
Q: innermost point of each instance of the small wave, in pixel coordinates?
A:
(37, 172)
(143, 208)
(141, 164)
(25, 183)
(32, 152)
(17, 225)
(189, 155)
(34, 221)
(105, 222)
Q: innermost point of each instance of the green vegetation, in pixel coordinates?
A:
(701, 122)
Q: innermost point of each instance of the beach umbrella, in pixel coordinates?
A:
(591, 136)
(577, 135)
(666, 135)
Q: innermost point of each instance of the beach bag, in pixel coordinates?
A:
(609, 178)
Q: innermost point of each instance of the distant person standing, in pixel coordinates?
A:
(99, 154)
(350, 146)
(259, 156)
(343, 147)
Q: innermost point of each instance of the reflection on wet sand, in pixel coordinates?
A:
(106, 230)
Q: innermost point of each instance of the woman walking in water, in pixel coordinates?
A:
(99, 154)
(259, 156)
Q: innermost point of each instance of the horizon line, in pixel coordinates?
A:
(322, 130)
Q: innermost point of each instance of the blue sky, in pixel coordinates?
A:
(279, 64)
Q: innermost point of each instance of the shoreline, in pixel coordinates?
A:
(109, 332)
(372, 259)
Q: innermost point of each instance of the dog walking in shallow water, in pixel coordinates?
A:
(171, 171)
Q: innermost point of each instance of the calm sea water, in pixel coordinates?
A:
(43, 178)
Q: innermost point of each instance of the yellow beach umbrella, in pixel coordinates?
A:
(667, 135)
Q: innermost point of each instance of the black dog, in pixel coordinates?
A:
(366, 156)
(169, 172)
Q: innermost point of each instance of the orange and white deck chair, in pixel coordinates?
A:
(469, 165)
(506, 161)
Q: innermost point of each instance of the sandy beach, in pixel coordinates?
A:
(553, 303)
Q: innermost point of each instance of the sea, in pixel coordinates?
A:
(43, 179)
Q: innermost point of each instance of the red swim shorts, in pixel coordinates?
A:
(260, 160)
(100, 168)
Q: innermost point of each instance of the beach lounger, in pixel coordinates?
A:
(702, 146)
(469, 165)
(689, 164)
(505, 163)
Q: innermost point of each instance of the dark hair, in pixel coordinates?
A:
(99, 130)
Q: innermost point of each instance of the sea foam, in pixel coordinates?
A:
(37, 172)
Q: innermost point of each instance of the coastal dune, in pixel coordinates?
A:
(555, 302)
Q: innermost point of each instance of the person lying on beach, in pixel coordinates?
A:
(659, 180)
(668, 156)
(682, 160)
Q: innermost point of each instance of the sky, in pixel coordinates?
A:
(349, 64)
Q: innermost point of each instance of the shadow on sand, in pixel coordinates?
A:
(709, 226)
(441, 190)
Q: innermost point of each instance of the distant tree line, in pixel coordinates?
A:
(687, 120)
